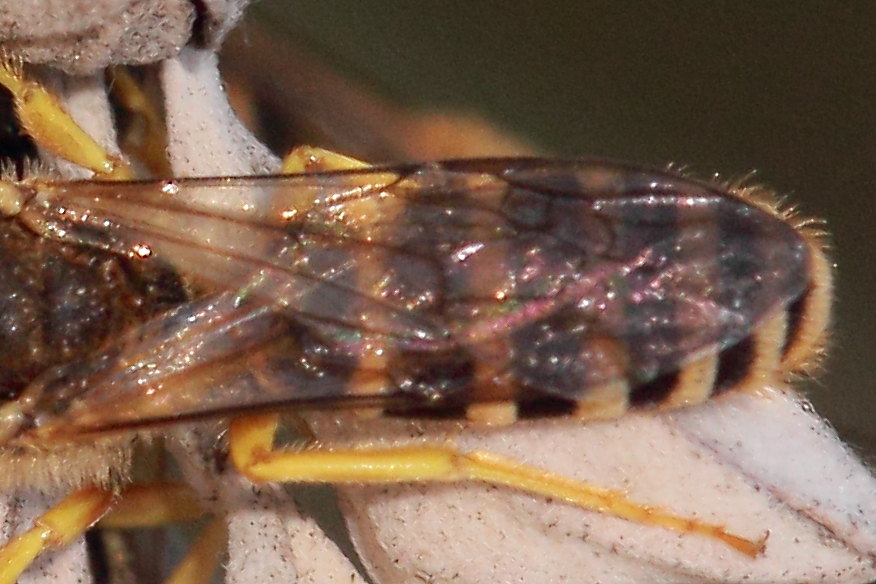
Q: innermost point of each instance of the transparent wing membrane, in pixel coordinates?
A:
(420, 286)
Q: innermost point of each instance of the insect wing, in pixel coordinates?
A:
(209, 357)
(529, 278)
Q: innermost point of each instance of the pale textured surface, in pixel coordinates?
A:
(205, 138)
(83, 36)
(796, 456)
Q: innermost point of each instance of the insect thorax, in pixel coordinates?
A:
(59, 302)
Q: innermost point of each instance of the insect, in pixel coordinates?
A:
(531, 282)
(488, 289)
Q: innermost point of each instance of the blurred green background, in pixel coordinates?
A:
(783, 89)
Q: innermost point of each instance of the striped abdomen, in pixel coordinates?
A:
(475, 288)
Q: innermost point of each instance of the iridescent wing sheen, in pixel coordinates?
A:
(412, 285)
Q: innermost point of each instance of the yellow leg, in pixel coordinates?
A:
(313, 159)
(153, 505)
(156, 504)
(53, 129)
(251, 448)
(203, 558)
(54, 529)
(138, 506)
(146, 135)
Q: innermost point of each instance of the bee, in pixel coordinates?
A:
(539, 287)
(526, 281)
(421, 289)
(482, 289)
